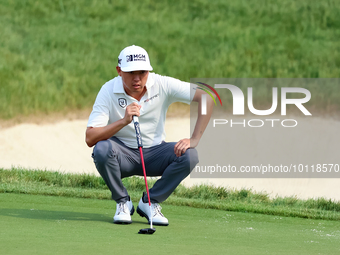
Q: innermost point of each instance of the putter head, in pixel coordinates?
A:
(148, 231)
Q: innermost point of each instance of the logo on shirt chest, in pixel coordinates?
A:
(151, 98)
(122, 102)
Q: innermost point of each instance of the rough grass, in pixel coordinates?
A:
(55, 55)
(201, 196)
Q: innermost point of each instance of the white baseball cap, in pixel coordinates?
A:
(134, 58)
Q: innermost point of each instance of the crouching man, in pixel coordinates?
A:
(137, 92)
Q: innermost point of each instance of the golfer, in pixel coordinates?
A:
(136, 91)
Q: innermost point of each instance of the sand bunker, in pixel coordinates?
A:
(61, 147)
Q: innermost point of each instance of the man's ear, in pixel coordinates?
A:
(118, 70)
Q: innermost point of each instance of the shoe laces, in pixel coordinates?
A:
(157, 210)
(122, 207)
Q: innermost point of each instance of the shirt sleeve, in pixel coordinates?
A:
(178, 91)
(99, 116)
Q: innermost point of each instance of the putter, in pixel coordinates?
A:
(150, 230)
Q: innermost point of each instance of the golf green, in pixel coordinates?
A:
(32, 224)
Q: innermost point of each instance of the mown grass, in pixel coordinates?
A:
(55, 55)
(202, 196)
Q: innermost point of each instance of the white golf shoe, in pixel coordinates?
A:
(123, 213)
(158, 218)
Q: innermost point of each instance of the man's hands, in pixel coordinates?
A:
(184, 144)
(130, 111)
(201, 124)
(180, 147)
(96, 134)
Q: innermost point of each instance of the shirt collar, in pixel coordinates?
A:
(118, 86)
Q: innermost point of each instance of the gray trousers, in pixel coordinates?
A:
(115, 161)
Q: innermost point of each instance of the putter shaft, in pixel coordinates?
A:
(140, 146)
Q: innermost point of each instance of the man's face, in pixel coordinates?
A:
(134, 82)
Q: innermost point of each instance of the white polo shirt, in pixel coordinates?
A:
(161, 91)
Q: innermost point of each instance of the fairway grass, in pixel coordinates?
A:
(34, 224)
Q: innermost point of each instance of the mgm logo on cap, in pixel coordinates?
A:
(134, 58)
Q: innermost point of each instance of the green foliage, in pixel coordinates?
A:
(52, 178)
(55, 55)
(323, 204)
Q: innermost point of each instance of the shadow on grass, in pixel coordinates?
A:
(59, 215)
(53, 215)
